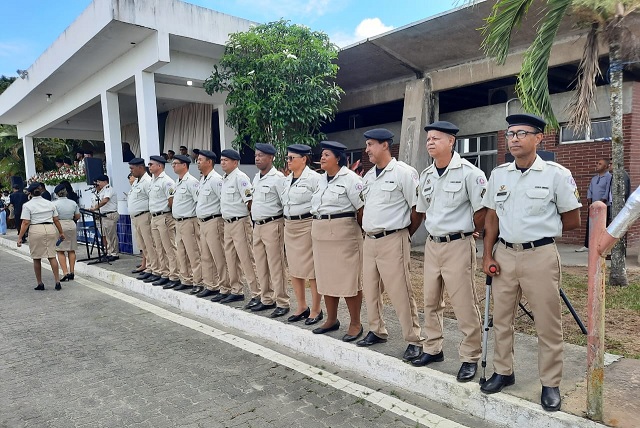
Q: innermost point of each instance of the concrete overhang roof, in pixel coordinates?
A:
(104, 32)
(436, 43)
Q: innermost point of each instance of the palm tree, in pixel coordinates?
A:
(606, 21)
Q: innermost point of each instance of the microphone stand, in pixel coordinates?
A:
(104, 257)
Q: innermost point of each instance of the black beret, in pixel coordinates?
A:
(171, 151)
(196, 151)
(267, 149)
(68, 161)
(59, 160)
(136, 161)
(184, 147)
(230, 153)
(59, 188)
(333, 146)
(102, 178)
(158, 159)
(526, 119)
(183, 158)
(208, 154)
(379, 134)
(88, 152)
(33, 186)
(442, 126)
(301, 149)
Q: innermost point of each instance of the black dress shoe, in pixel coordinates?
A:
(260, 306)
(180, 286)
(323, 330)
(350, 338)
(58, 286)
(428, 359)
(220, 296)
(252, 303)
(370, 339)
(550, 398)
(279, 312)
(412, 352)
(314, 320)
(467, 372)
(207, 293)
(300, 316)
(161, 281)
(65, 278)
(113, 258)
(232, 298)
(196, 289)
(170, 284)
(71, 276)
(146, 275)
(496, 382)
(40, 287)
(138, 266)
(137, 270)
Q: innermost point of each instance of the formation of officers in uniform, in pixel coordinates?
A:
(349, 237)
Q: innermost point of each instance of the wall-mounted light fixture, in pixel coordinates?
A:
(49, 98)
(189, 82)
(22, 73)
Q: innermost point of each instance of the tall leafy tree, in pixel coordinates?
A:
(606, 21)
(280, 84)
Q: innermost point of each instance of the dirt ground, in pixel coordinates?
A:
(622, 320)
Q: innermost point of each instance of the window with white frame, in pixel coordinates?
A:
(600, 130)
(480, 150)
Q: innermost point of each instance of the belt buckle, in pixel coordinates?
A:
(436, 239)
(518, 247)
(318, 217)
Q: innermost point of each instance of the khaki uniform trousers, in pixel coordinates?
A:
(268, 250)
(163, 231)
(386, 263)
(110, 231)
(188, 251)
(536, 273)
(214, 266)
(237, 251)
(451, 266)
(142, 231)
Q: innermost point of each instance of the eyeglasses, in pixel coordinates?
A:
(520, 134)
(291, 158)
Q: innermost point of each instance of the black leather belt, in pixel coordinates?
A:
(232, 219)
(299, 217)
(528, 245)
(110, 212)
(330, 216)
(382, 234)
(450, 237)
(35, 224)
(160, 213)
(139, 214)
(267, 220)
(183, 218)
(211, 217)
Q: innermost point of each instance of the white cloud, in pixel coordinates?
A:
(292, 8)
(368, 27)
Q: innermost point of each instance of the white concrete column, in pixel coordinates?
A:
(147, 114)
(117, 170)
(29, 156)
(417, 113)
(227, 134)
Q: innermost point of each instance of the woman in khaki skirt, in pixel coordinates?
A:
(68, 214)
(40, 217)
(337, 239)
(296, 194)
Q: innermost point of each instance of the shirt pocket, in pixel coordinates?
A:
(427, 194)
(263, 192)
(299, 195)
(230, 194)
(453, 194)
(500, 200)
(335, 191)
(388, 191)
(536, 201)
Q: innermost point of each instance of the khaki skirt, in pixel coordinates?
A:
(42, 241)
(70, 242)
(297, 241)
(337, 255)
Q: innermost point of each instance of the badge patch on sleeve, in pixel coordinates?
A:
(575, 192)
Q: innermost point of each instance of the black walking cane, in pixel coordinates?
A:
(485, 333)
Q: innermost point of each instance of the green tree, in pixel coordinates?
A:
(606, 21)
(280, 85)
(5, 82)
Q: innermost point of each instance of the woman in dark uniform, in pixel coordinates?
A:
(68, 214)
(337, 236)
(40, 217)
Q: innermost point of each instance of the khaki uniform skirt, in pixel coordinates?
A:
(337, 255)
(297, 241)
(42, 241)
(70, 242)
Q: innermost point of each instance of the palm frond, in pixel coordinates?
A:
(532, 86)
(584, 95)
(505, 16)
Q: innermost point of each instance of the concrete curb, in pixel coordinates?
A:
(500, 408)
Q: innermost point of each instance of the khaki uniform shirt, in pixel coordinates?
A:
(38, 210)
(389, 197)
(236, 192)
(162, 188)
(185, 197)
(138, 199)
(450, 200)
(209, 195)
(266, 200)
(296, 197)
(108, 192)
(340, 195)
(529, 204)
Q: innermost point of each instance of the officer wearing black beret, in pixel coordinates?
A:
(107, 204)
(138, 207)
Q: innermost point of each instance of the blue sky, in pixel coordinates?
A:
(30, 26)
